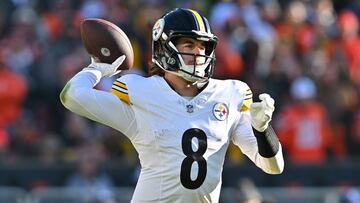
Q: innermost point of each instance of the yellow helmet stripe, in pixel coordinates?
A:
(199, 20)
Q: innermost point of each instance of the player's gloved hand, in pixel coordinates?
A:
(107, 69)
(261, 112)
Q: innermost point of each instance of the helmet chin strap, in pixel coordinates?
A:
(189, 77)
(193, 73)
(199, 83)
(195, 80)
(179, 73)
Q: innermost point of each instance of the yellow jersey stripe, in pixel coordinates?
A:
(199, 20)
(120, 84)
(247, 100)
(121, 95)
(246, 104)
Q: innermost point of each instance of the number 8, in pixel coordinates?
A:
(193, 156)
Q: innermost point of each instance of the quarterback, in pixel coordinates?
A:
(180, 120)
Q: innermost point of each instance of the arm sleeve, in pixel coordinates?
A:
(268, 142)
(80, 97)
(243, 136)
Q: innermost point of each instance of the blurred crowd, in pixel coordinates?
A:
(304, 53)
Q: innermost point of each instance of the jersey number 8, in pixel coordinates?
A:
(193, 156)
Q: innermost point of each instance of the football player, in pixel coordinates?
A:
(179, 120)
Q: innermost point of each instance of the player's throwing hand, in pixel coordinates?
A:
(107, 69)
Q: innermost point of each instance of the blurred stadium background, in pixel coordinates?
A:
(305, 53)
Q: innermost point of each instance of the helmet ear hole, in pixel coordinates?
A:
(171, 61)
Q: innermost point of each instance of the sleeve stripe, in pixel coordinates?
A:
(120, 84)
(247, 100)
(119, 89)
(123, 96)
(116, 85)
(248, 94)
(246, 105)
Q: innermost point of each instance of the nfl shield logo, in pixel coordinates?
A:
(220, 111)
(189, 108)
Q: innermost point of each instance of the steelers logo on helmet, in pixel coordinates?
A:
(220, 111)
(158, 29)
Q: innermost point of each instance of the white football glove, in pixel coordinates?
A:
(107, 69)
(261, 112)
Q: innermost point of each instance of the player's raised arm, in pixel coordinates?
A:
(258, 140)
(79, 96)
(110, 50)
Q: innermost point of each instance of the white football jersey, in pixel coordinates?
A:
(181, 142)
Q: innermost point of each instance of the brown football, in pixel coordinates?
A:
(105, 41)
